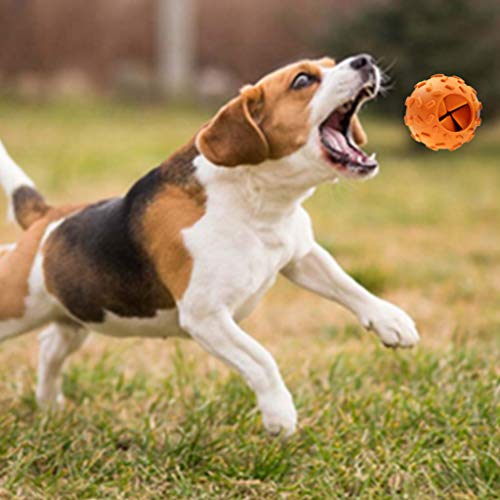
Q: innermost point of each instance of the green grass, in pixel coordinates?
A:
(372, 425)
(154, 419)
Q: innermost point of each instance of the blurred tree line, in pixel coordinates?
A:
(416, 39)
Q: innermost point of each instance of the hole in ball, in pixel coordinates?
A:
(455, 113)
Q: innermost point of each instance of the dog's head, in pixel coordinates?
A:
(303, 113)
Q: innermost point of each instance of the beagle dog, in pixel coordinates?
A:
(191, 248)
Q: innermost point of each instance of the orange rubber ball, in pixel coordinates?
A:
(443, 112)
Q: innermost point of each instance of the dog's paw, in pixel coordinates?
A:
(393, 326)
(278, 413)
(47, 401)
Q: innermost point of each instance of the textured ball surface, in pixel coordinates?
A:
(443, 112)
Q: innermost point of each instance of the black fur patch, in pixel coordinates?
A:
(95, 261)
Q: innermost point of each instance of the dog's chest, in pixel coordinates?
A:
(274, 248)
(236, 259)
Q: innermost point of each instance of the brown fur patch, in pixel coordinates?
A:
(267, 120)
(285, 115)
(232, 137)
(29, 206)
(177, 206)
(15, 265)
(173, 210)
(178, 169)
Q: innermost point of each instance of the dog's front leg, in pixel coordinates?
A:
(319, 272)
(221, 336)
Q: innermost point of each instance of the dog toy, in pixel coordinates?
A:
(443, 112)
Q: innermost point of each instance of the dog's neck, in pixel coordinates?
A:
(270, 191)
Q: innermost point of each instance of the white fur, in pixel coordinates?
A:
(164, 324)
(7, 247)
(11, 177)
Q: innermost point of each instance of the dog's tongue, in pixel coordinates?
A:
(338, 141)
(335, 139)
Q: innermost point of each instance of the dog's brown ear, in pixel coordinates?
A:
(358, 132)
(233, 137)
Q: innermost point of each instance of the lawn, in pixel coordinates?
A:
(153, 419)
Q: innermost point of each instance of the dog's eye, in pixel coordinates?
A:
(303, 80)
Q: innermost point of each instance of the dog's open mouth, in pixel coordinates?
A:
(337, 141)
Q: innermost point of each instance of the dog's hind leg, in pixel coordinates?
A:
(24, 302)
(57, 342)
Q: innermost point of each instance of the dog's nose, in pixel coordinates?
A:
(362, 61)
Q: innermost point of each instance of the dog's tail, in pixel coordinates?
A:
(26, 204)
